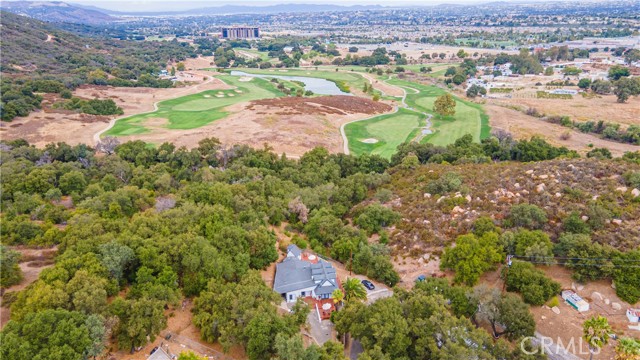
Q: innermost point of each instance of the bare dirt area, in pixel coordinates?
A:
(340, 104)
(184, 337)
(32, 262)
(568, 324)
(584, 109)
(523, 126)
(46, 126)
(288, 125)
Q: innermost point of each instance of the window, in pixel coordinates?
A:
(290, 296)
(303, 293)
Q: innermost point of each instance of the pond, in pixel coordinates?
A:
(317, 85)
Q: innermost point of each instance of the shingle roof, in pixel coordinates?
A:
(295, 274)
(159, 354)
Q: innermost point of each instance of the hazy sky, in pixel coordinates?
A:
(163, 5)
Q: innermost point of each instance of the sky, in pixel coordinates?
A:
(167, 5)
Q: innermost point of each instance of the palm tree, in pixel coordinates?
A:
(353, 289)
(337, 296)
(628, 349)
(596, 332)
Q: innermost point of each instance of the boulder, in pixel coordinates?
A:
(544, 176)
(617, 221)
(584, 218)
(556, 310)
(607, 301)
(468, 198)
(621, 189)
(540, 188)
(635, 193)
(616, 306)
(529, 172)
(558, 195)
(427, 196)
(596, 296)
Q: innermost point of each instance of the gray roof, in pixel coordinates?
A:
(294, 274)
(294, 250)
(159, 354)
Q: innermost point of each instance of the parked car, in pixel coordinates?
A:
(368, 284)
(421, 278)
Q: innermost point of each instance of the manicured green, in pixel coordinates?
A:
(468, 119)
(196, 110)
(390, 130)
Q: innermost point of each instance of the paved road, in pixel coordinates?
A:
(553, 350)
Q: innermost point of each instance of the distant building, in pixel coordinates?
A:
(563, 92)
(240, 33)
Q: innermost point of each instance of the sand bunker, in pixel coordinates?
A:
(245, 79)
(238, 91)
(369, 141)
(207, 96)
(219, 95)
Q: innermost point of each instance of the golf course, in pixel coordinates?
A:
(196, 110)
(384, 133)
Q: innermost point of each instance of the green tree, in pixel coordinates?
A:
(445, 105)
(472, 256)
(180, 66)
(10, 273)
(48, 334)
(584, 83)
(618, 71)
(532, 283)
(354, 290)
(628, 349)
(626, 87)
(140, 321)
(527, 215)
(595, 331)
(338, 296)
(507, 314)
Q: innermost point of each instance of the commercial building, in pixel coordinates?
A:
(240, 33)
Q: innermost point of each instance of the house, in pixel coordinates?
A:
(575, 301)
(563, 92)
(301, 275)
(633, 315)
(160, 354)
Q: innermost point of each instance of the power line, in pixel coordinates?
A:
(575, 258)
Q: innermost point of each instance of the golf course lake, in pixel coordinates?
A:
(317, 85)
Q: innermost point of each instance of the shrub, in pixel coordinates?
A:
(536, 288)
(374, 217)
(446, 183)
(575, 225)
(527, 216)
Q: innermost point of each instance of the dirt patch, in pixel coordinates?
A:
(523, 126)
(52, 125)
(568, 324)
(32, 262)
(584, 109)
(340, 104)
(288, 125)
(369, 141)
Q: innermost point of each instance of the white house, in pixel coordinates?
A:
(302, 275)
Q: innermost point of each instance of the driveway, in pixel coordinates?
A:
(320, 331)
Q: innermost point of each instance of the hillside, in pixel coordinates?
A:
(57, 12)
(32, 47)
(439, 203)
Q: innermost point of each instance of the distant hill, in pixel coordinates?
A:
(241, 9)
(57, 12)
(34, 48)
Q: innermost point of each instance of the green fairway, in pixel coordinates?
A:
(468, 119)
(196, 110)
(389, 130)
